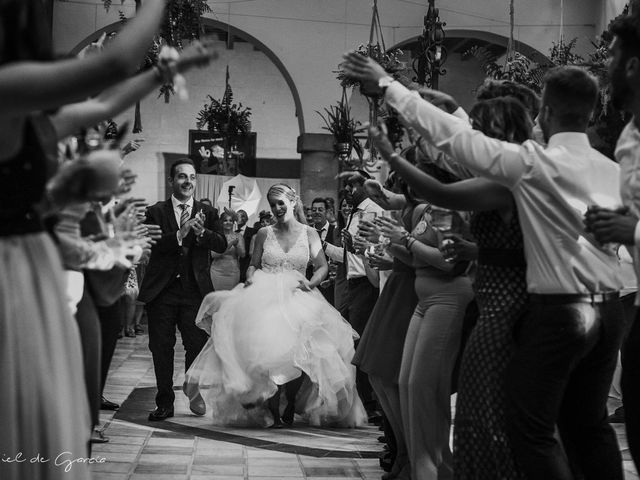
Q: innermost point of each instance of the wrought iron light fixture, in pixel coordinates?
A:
(431, 53)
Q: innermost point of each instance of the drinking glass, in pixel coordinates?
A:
(442, 220)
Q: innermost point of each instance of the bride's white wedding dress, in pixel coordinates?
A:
(265, 335)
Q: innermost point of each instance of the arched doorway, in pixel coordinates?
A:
(222, 30)
(259, 80)
(463, 71)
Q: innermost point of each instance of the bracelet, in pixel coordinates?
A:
(410, 243)
(406, 239)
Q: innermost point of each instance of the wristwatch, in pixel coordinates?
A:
(384, 82)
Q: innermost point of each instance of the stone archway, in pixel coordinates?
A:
(461, 40)
(235, 35)
(463, 72)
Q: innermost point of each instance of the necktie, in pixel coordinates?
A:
(184, 216)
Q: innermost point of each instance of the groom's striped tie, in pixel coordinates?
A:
(184, 216)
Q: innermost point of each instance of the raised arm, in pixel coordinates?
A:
(109, 103)
(475, 194)
(384, 198)
(500, 161)
(26, 86)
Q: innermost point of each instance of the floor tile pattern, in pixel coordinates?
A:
(151, 452)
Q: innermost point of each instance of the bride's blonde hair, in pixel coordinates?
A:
(282, 190)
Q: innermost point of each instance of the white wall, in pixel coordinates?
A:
(308, 36)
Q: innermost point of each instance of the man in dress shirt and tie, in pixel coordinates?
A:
(319, 208)
(567, 344)
(247, 234)
(362, 291)
(176, 280)
(611, 226)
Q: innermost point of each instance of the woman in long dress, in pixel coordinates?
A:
(481, 446)
(276, 329)
(225, 267)
(43, 406)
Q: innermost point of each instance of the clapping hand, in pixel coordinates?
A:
(194, 224)
(198, 225)
(139, 205)
(131, 146)
(127, 179)
(154, 233)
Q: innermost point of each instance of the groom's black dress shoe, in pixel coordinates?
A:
(160, 413)
(108, 405)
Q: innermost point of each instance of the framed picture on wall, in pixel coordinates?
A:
(206, 149)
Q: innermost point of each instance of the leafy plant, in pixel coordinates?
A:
(517, 68)
(182, 19)
(339, 122)
(388, 60)
(224, 116)
(606, 122)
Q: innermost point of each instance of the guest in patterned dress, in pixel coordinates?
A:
(481, 446)
(225, 267)
(43, 408)
(379, 352)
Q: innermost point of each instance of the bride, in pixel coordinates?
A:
(277, 333)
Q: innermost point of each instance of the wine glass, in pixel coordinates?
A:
(442, 221)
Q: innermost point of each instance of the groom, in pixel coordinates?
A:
(176, 280)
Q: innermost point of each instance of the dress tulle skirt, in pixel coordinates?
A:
(266, 335)
(44, 410)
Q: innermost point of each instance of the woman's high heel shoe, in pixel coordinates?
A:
(288, 414)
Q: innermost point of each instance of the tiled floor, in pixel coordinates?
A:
(139, 452)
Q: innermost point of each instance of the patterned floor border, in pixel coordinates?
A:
(135, 409)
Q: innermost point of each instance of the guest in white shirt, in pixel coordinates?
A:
(326, 231)
(611, 226)
(247, 234)
(566, 346)
(362, 291)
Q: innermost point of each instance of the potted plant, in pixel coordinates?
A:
(390, 61)
(339, 122)
(223, 116)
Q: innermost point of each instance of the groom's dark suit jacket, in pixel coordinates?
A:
(168, 259)
(246, 260)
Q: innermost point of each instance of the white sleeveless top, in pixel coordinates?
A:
(275, 259)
